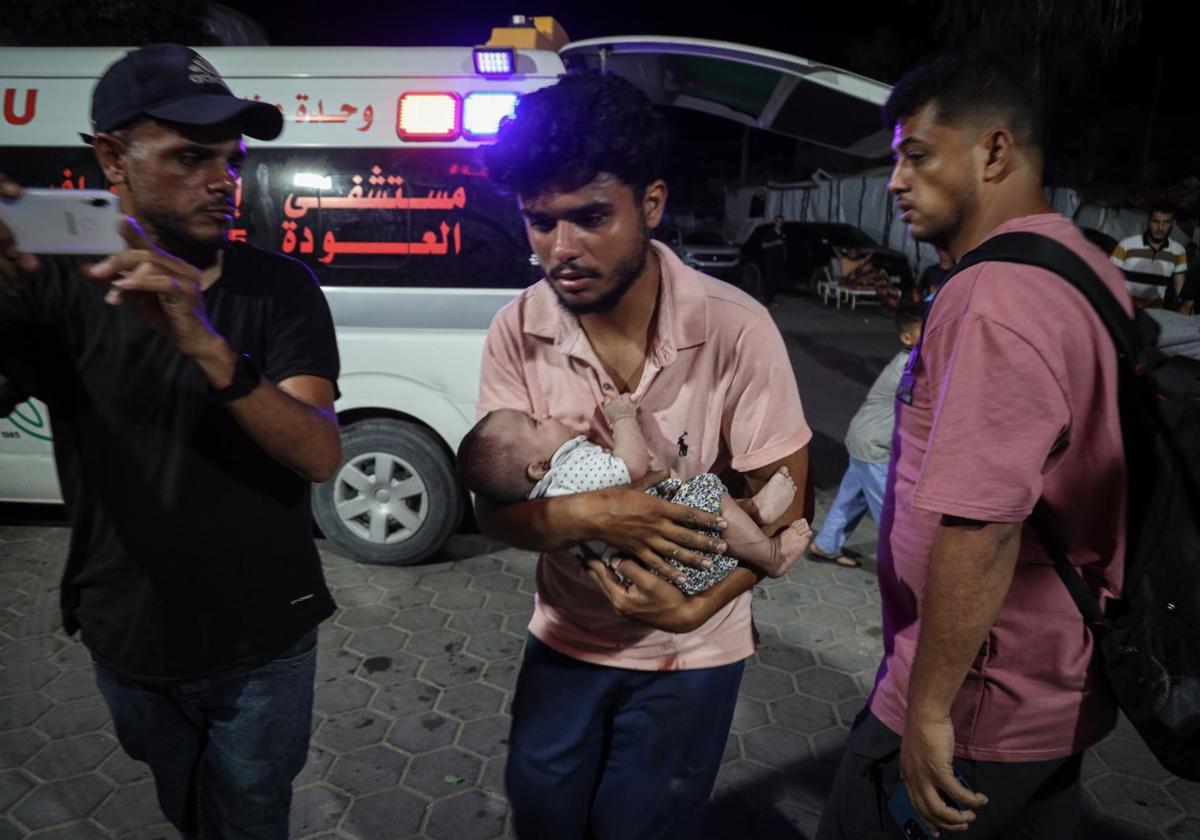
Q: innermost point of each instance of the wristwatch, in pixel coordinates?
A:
(246, 377)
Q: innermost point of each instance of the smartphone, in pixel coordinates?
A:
(906, 817)
(64, 221)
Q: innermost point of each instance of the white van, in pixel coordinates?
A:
(375, 184)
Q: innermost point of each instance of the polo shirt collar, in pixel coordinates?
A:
(683, 312)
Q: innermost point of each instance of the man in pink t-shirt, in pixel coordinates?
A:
(626, 694)
(1010, 397)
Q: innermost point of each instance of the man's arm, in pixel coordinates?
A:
(969, 575)
(629, 444)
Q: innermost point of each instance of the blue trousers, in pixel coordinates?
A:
(613, 754)
(225, 748)
(861, 490)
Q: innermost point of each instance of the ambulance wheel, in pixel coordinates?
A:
(394, 499)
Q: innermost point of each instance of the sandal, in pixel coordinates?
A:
(818, 556)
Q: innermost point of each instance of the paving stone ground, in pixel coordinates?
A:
(417, 668)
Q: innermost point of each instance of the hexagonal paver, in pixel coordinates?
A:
(18, 746)
(13, 785)
(795, 594)
(360, 618)
(406, 698)
(129, 808)
(17, 710)
(1187, 794)
(60, 759)
(358, 595)
(470, 816)
(786, 657)
(1133, 759)
(487, 736)
(75, 684)
(778, 747)
(848, 710)
(445, 581)
(377, 640)
(352, 730)
(69, 719)
(435, 642)
(749, 714)
(30, 650)
(509, 602)
(477, 621)
(318, 764)
(424, 732)
(390, 813)
(443, 772)
(1136, 800)
(843, 596)
(350, 575)
(405, 598)
(342, 695)
(74, 831)
(496, 582)
(316, 808)
(773, 612)
(33, 623)
(503, 674)
(390, 668)
(764, 683)
(334, 664)
(123, 770)
(457, 600)
(492, 778)
(825, 684)
(495, 645)
(1185, 829)
(56, 802)
(748, 780)
(471, 701)
(421, 618)
(367, 770)
(452, 669)
(29, 676)
(331, 636)
(803, 714)
(850, 658)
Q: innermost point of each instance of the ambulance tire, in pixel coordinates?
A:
(399, 519)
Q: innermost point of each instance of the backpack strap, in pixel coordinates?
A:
(1043, 252)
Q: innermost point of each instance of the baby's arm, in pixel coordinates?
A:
(628, 443)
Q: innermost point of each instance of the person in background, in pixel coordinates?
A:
(1162, 261)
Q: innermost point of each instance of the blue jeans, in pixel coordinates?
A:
(613, 754)
(861, 490)
(224, 748)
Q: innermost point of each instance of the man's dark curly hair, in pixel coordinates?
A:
(968, 85)
(561, 137)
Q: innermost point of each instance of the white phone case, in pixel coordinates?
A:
(64, 221)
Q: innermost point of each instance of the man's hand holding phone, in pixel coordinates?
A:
(13, 262)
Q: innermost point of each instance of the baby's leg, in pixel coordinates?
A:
(774, 555)
(772, 501)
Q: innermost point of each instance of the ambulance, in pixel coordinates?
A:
(376, 185)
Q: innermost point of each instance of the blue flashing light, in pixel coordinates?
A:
(495, 61)
(483, 111)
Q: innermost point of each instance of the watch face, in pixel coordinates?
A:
(246, 377)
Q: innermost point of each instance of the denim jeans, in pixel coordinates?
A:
(224, 748)
(861, 490)
(614, 754)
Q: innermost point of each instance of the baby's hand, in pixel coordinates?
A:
(620, 407)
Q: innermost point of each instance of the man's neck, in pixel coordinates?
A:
(994, 211)
(631, 319)
(1156, 244)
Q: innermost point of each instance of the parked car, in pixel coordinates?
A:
(705, 250)
(809, 247)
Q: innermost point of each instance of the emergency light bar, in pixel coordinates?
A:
(494, 61)
(428, 116)
(483, 111)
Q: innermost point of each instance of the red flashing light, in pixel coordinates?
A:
(429, 115)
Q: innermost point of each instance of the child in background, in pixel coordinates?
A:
(869, 444)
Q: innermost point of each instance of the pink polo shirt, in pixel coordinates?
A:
(717, 376)
(1014, 399)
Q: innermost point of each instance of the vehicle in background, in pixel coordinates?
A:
(809, 248)
(705, 250)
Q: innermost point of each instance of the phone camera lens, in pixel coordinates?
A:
(99, 202)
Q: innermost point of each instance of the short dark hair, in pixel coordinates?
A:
(1161, 207)
(563, 136)
(487, 465)
(965, 85)
(909, 314)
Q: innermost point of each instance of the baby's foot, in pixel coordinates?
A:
(771, 502)
(788, 546)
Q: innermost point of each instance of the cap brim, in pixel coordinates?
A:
(260, 120)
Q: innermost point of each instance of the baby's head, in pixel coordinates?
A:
(508, 452)
(910, 317)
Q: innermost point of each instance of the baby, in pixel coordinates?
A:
(511, 456)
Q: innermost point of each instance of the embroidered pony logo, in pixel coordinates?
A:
(682, 443)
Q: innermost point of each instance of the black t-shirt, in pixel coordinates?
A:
(191, 549)
(775, 254)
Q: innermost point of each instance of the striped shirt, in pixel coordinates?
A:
(1136, 254)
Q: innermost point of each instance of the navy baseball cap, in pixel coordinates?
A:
(175, 83)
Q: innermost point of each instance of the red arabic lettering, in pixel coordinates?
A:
(368, 118)
(68, 184)
(429, 245)
(10, 106)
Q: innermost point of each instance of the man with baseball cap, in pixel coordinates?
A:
(191, 384)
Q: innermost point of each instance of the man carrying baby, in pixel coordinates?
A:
(628, 685)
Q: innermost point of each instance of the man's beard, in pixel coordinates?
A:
(963, 208)
(626, 273)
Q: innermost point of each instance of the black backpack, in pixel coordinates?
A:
(1148, 640)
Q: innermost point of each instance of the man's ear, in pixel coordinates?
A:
(999, 154)
(537, 471)
(112, 154)
(654, 203)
